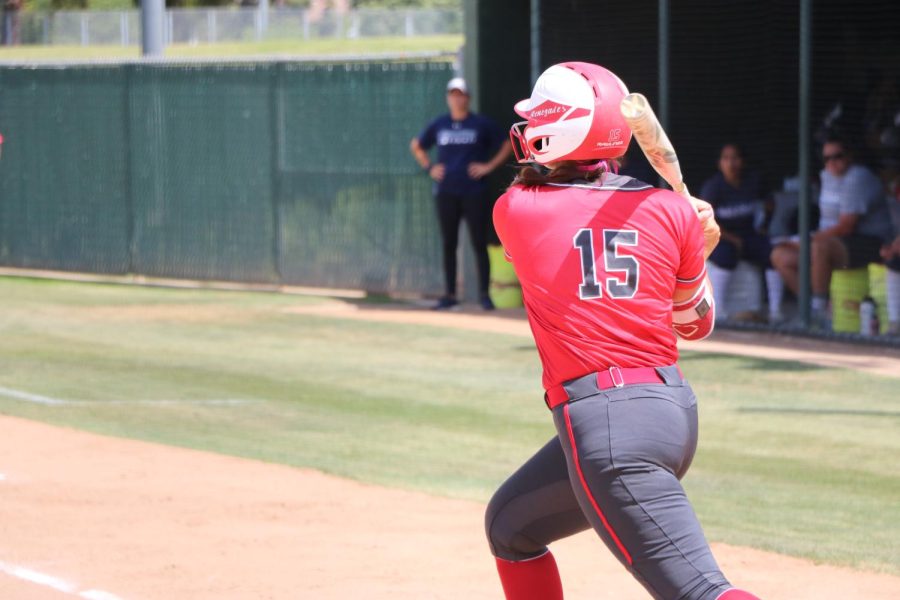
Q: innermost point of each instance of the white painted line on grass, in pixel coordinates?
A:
(49, 401)
(60, 585)
(29, 397)
(224, 402)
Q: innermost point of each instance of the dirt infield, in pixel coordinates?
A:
(85, 516)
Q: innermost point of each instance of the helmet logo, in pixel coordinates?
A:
(547, 111)
(615, 135)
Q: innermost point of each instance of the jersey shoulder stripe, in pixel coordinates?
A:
(693, 279)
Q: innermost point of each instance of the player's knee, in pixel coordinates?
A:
(779, 257)
(817, 247)
(505, 532)
(824, 248)
(725, 256)
(495, 526)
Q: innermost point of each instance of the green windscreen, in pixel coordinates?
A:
(274, 172)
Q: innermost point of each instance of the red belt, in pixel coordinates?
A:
(615, 377)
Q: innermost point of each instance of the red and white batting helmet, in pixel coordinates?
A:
(573, 114)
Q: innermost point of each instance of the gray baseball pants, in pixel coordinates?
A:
(615, 466)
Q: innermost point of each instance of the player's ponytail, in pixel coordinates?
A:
(562, 172)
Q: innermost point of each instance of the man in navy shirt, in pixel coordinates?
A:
(469, 147)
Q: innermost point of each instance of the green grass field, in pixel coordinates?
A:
(313, 47)
(793, 458)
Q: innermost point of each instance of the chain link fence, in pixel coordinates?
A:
(216, 25)
(742, 100)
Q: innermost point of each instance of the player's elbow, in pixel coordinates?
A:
(694, 332)
(694, 319)
(696, 327)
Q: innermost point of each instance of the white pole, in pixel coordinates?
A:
(410, 26)
(152, 27)
(85, 37)
(264, 15)
(535, 40)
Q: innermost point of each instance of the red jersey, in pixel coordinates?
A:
(599, 264)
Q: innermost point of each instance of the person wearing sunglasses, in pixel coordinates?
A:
(853, 225)
(891, 255)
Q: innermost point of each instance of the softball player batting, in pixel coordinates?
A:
(611, 270)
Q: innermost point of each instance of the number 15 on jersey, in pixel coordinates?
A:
(625, 269)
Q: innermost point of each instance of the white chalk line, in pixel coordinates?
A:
(28, 397)
(50, 401)
(56, 583)
(60, 585)
(223, 402)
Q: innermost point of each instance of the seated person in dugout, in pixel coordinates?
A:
(853, 225)
(736, 195)
(890, 252)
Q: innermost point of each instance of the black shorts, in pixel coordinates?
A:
(894, 264)
(862, 249)
(756, 250)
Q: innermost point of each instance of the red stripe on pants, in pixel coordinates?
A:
(587, 490)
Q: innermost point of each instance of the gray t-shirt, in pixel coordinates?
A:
(857, 192)
(893, 201)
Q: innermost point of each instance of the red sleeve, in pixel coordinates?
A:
(501, 207)
(692, 267)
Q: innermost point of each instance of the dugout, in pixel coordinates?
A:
(767, 74)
